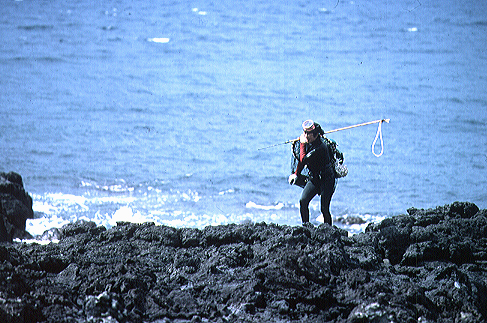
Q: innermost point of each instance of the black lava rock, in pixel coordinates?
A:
(426, 266)
(15, 207)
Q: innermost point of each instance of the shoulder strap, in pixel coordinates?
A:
(335, 153)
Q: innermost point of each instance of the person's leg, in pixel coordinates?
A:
(309, 192)
(326, 194)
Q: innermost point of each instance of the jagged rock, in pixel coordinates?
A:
(5, 236)
(15, 207)
(426, 266)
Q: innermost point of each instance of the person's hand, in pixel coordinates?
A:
(303, 139)
(292, 179)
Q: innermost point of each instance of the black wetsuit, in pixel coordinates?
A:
(317, 157)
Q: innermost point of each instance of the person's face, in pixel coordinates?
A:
(310, 136)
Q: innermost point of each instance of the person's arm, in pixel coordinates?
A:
(302, 153)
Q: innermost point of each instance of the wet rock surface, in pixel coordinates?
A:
(15, 207)
(424, 266)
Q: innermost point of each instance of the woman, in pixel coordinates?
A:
(316, 155)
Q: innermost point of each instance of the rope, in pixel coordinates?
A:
(357, 125)
(379, 134)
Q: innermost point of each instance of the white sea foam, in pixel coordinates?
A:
(53, 203)
(38, 226)
(175, 208)
(229, 191)
(190, 196)
(252, 205)
(356, 227)
(125, 214)
(117, 188)
(185, 220)
(54, 210)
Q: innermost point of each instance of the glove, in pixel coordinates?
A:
(292, 179)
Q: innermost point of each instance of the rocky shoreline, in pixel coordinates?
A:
(15, 207)
(423, 266)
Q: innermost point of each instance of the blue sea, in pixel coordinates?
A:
(131, 110)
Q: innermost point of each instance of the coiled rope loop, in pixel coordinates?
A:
(379, 134)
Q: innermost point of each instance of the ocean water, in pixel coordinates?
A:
(155, 110)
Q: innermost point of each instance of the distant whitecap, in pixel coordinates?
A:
(412, 29)
(159, 40)
(199, 12)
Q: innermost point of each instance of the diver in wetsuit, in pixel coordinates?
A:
(316, 155)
